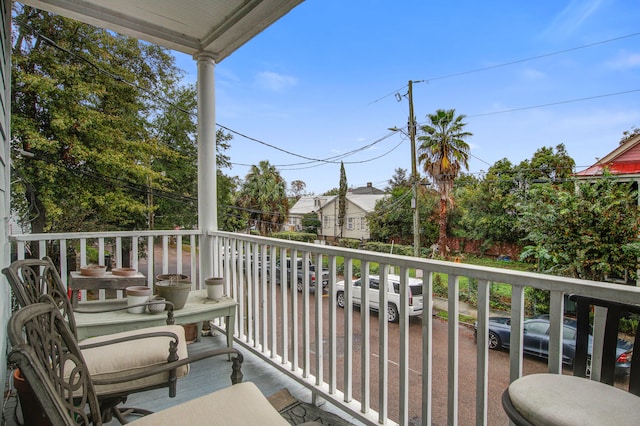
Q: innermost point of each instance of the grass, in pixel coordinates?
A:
(461, 318)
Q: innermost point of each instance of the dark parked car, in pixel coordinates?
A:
(299, 280)
(536, 340)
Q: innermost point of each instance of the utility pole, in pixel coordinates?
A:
(414, 175)
(411, 124)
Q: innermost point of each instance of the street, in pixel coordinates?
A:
(498, 365)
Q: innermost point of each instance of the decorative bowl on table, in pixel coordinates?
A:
(93, 270)
(124, 272)
(156, 308)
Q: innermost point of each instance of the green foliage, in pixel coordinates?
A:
(485, 206)
(399, 179)
(342, 198)
(589, 233)
(229, 217)
(392, 218)
(263, 195)
(350, 243)
(629, 324)
(311, 223)
(87, 133)
(443, 153)
(298, 189)
(103, 154)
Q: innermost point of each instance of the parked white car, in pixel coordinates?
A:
(393, 290)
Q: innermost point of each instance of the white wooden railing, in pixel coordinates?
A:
(311, 340)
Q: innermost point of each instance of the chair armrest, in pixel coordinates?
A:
(171, 366)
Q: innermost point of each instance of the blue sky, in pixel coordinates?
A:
(321, 83)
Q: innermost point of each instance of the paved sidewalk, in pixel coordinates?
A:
(442, 304)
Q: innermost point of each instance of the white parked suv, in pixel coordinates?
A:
(393, 290)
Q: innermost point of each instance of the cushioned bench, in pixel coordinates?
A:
(241, 404)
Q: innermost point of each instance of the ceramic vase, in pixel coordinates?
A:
(215, 287)
(135, 296)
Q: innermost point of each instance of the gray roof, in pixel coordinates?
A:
(303, 206)
(366, 202)
(369, 189)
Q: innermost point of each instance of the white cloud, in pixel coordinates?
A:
(572, 17)
(274, 82)
(624, 61)
(532, 74)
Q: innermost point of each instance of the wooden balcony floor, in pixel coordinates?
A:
(208, 376)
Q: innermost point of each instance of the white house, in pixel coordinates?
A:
(360, 202)
(305, 205)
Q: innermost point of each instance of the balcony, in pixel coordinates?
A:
(419, 371)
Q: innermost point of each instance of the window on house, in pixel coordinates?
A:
(350, 223)
(326, 222)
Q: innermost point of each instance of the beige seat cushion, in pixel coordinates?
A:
(122, 359)
(554, 399)
(241, 404)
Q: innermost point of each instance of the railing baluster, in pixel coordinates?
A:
(249, 270)
(285, 308)
(556, 311)
(404, 344)
(454, 345)
(348, 329)
(242, 285)
(264, 298)
(515, 341)
(21, 250)
(427, 344)
(179, 259)
(237, 285)
(306, 320)
(365, 331)
(101, 252)
(135, 241)
(271, 270)
(318, 321)
(101, 261)
(194, 258)
(151, 260)
(165, 254)
(64, 272)
(383, 344)
(333, 357)
(118, 253)
(83, 262)
(482, 376)
(290, 280)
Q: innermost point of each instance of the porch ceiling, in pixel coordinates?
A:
(218, 27)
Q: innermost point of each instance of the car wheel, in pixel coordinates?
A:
(300, 286)
(392, 313)
(494, 340)
(340, 299)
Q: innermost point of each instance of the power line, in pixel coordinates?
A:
(533, 58)
(588, 98)
(517, 61)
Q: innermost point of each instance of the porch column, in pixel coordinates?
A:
(207, 201)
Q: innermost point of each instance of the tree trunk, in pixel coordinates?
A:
(442, 237)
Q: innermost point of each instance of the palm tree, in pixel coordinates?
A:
(442, 153)
(264, 195)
